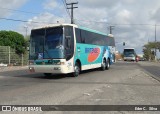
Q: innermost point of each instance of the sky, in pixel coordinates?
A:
(133, 20)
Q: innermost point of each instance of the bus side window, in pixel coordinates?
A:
(83, 36)
(78, 35)
(68, 42)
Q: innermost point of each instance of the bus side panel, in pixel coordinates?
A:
(90, 55)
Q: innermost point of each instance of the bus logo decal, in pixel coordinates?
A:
(93, 54)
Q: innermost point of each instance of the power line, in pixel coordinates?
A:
(8, 19)
(90, 21)
(64, 3)
(117, 24)
(19, 10)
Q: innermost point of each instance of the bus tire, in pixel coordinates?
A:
(77, 70)
(103, 67)
(107, 65)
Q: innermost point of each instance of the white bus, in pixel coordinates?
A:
(129, 54)
(68, 48)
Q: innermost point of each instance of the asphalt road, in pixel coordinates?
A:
(153, 69)
(125, 83)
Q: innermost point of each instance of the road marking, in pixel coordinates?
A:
(88, 94)
(100, 99)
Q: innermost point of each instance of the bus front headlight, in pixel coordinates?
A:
(60, 63)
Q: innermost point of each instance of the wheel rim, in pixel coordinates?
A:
(77, 70)
(104, 63)
(108, 64)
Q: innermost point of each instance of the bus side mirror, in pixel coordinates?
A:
(68, 42)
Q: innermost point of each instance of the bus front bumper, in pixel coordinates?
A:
(129, 58)
(55, 69)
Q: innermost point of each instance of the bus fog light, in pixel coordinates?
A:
(31, 69)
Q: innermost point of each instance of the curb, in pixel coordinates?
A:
(12, 68)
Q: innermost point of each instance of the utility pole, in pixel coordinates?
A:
(72, 7)
(155, 42)
(26, 28)
(110, 29)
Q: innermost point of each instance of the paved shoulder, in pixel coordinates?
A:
(12, 68)
(151, 68)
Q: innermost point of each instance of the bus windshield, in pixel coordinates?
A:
(129, 53)
(47, 43)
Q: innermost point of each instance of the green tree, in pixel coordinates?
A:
(149, 52)
(14, 40)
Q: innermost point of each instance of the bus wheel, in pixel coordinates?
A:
(107, 65)
(103, 67)
(76, 70)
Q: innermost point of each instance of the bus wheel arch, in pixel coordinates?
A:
(48, 75)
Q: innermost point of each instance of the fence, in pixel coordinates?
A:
(8, 56)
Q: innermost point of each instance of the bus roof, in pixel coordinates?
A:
(55, 25)
(91, 30)
(128, 48)
(95, 31)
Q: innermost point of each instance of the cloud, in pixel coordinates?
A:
(10, 4)
(45, 18)
(50, 4)
(56, 7)
(122, 12)
(99, 14)
(41, 20)
(156, 15)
